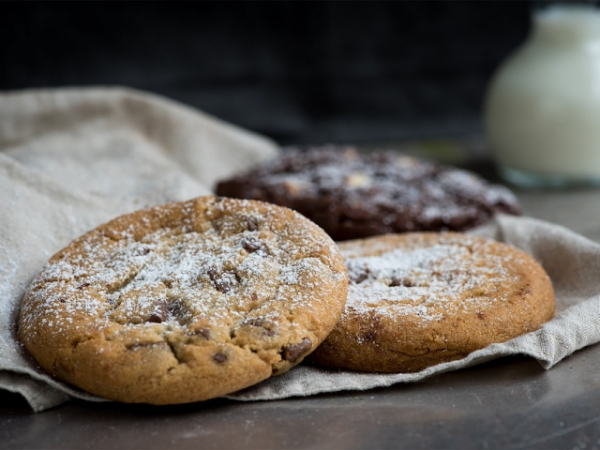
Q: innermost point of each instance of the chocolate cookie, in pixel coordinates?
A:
(185, 302)
(354, 195)
(419, 299)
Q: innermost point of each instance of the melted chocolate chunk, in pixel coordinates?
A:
(251, 224)
(141, 251)
(177, 308)
(221, 283)
(396, 281)
(204, 332)
(251, 244)
(291, 353)
(213, 274)
(223, 286)
(358, 278)
(160, 313)
(220, 358)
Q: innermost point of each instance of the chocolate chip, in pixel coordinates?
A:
(223, 286)
(62, 299)
(204, 332)
(213, 274)
(176, 308)
(155, 318)
(222, 282)
(291, 353)
(160, 313)
(83, 285)
(141, 251)
(220, 358)
(480, 315)
(251, 244)
(396, 281)
(360, 277)
(261, 323)
(251, 224)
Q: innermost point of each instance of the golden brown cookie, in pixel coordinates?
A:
(416, 300)
(185, 302)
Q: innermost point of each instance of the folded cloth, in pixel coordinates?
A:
(72, 159)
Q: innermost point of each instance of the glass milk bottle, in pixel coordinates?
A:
(542, 108)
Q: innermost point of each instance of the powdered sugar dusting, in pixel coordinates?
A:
(182, 278)
(428, 282)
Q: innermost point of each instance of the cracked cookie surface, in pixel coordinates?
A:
(419, 299)
(185, 302)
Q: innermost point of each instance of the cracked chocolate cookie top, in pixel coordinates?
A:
(185, 302)
(419, 299)
(353, 195)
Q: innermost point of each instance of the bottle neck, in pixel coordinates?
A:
(567, 25)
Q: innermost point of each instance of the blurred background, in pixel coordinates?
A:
(299, 72)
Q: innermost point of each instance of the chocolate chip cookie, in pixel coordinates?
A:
(419, 299)
(185, 302)
(353, 195)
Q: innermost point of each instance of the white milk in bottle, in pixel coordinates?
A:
(542, 109)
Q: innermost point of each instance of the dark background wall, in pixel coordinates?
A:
(300, 72)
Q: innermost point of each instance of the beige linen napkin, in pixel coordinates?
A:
(72, 159)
